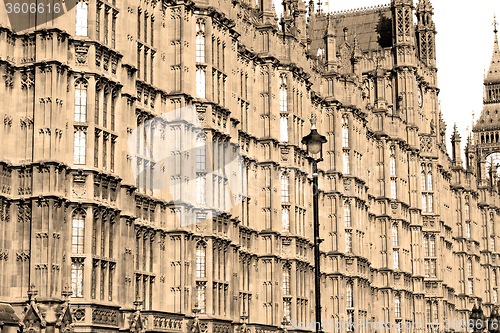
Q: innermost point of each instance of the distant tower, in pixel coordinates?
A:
(487, 128)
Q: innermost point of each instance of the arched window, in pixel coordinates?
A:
(81, 101)
(395, 256)
(201, 297)
(434, 312)
(422, 177)
(429, 181)
(80, 145)
(283, 108)
(397, 306)
(78, 232)
(348, 241)
(393, 162)
(347, 214)
(200, 41)
(428, 311)
(286, 280)
(469, 267)
(285, 188)
(467, 229)
(201, 260)
(348, 294)
(394, 234)
(77, 279)
(285, 219)
(201, 189)
(284, 127)
(81, 18)
(345, 132)
(432, 246)
(283, 93)
(426, 246)
(200, 82)
(201, 151)
(467, 212)
(345, 158)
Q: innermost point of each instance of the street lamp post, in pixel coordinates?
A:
(314, 142)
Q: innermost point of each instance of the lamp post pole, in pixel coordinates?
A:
(314, 142)
(317, 271)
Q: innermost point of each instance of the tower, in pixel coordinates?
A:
(426, 31)
(487, 128)
(405, 64)
(403, 26)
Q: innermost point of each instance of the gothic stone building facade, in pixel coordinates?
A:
(410, 234)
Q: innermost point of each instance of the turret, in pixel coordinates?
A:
(301, 21)
(403, 42)
(268, 12)
(469, 155)
(455, 146)
(330, 46)
(356, 57)
(426, 32)
(403, 22)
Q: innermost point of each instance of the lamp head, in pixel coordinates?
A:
(314, 141)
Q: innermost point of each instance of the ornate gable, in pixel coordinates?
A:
(64, 321)
(33, 321)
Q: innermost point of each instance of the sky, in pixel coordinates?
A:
(464, 46)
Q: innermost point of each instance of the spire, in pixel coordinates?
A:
(424, 5)
(330, 45)
(493, 74)
(455, 136)
(357, 50)
(489, 118)
(330, 28)
(469, 138)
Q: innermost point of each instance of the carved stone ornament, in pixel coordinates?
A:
(81, 53)
(136, 323)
